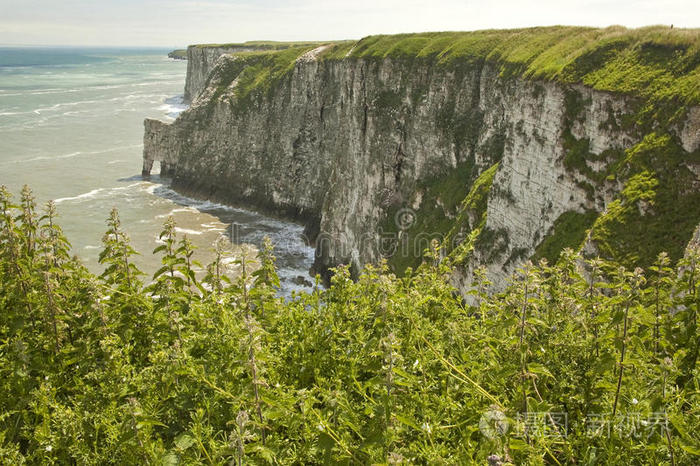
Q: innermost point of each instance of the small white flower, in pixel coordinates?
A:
(49, 448)
(415, 364)
(426, 427)
(634, 401)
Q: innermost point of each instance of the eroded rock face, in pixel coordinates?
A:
(159, 144)
(533, 185)
(338, 143)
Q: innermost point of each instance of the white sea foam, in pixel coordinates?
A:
(214, 226)
(127, 188)
(174, 211)
(173, 106)
(88, 88)
(80, 197)
(151, 188)
(74, 154)
(100, 192)
(186, 231)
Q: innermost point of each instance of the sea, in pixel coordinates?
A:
(71, 128)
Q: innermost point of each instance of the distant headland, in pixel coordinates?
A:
(179, 54)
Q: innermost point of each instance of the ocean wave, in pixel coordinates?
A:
(80, 197)
(74, 112)
(174, 211)
(215, 226)
(88, 88)
(138, 97)
(186, 231)
(73, 154)
(167, 193)
(40, 92)
(122, 98)
(100, 193)
(173, 106)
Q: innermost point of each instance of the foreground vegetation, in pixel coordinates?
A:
(561, 368)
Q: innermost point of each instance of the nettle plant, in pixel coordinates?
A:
(576, 362)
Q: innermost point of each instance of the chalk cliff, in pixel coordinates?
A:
(501, 145)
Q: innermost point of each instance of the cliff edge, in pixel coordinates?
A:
(499, 146)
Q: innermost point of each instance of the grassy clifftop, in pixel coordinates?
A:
(660, 64)
(657, 61)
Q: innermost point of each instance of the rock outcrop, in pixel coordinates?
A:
(201, 60)
(350, 141)
(200, 63)
(179, 54)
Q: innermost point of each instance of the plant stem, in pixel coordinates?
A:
(622, 360)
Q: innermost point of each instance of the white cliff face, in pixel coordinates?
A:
(338, 143)
(533, 186)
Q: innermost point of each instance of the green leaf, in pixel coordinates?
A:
(406, 421)
(539, 369)
(693, 450)
(267, 454)
(184, 441)
(517, 444)
(160, 271)
(170, 459)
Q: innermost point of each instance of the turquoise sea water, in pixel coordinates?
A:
(71, 127)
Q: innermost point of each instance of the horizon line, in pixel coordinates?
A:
(58, 46)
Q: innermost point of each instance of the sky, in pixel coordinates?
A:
(176, 23)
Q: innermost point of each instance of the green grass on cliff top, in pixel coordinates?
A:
(658, 63)
(654, 61)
